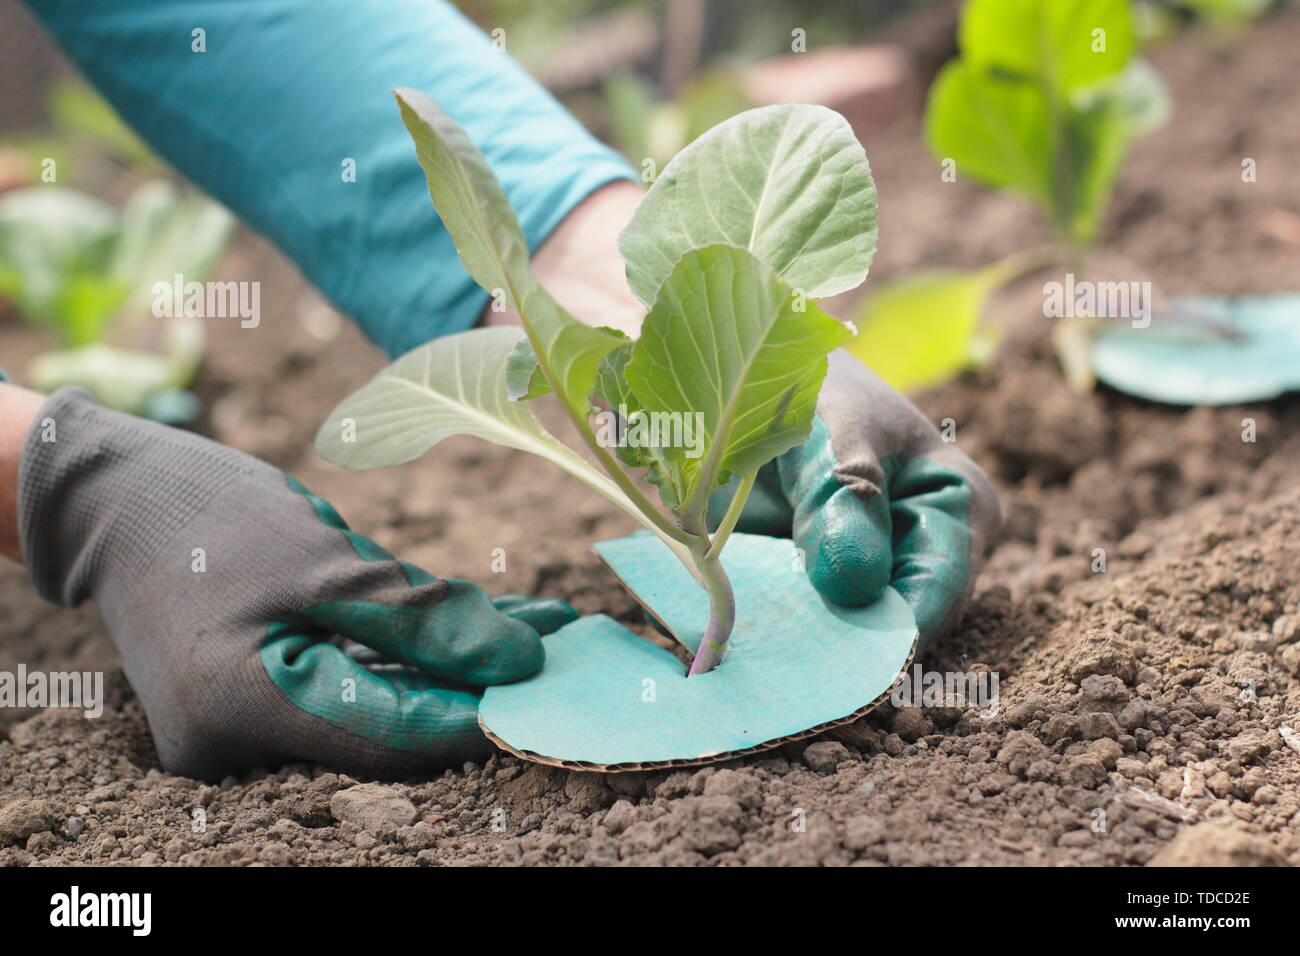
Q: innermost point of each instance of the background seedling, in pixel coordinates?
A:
(84, 272)
(1042, 101)
(646, 128)
(85, 144)
(1227, 17)
(742, 232)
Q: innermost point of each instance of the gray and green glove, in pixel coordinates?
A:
(876, 497)
(225, 583)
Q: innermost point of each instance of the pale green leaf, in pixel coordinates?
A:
(789, 183)
(524, 378)
(1096, 140)
(122, 379)
(611, 379)
(613, 389)
(997, 130)
(166, 232)
(726, 340)
(475, 211)
(925, 328)
(1063, 44)
(85, 304)
(71, 263)
(54, 241)
(184, 338)
(454, 385)
(1141, 97)
(469, 200)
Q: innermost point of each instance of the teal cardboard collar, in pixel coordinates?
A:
(1209, 351)
(610, 700)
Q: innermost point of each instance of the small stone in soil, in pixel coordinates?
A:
(826, 755)
(372, 807)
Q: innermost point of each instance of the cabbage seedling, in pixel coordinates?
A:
(730, 250)
(1043, 101)
(85, 273)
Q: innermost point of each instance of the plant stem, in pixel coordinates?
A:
(1072, 337)
(722, 616)
(1019, 264)
(712, 576)
(1062, 170)
(732, 515)
(624, 481)
(666, 530)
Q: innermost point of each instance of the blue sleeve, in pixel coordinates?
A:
(288, 90)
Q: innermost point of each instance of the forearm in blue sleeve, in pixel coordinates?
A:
(289, 90)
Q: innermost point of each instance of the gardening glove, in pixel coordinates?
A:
(224, 582)
(875, 497)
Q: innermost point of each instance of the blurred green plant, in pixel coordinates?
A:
(84, 132)
(1228, 20)
(1042, 101)
(1227, 17)
(533, 31)
(644, 127)
(84, 272)
(84, 117)
(920, 330)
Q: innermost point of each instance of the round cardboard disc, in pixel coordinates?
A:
(607, 699)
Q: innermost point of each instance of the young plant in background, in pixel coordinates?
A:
(1229, 18)
(742, 232)
(84, 272)
(86, 144)
(1042, 101)
(85, 121)
(646, 128)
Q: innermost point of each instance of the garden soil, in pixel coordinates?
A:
(1146, 710)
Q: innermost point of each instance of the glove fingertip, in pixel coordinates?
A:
(513, 653)
(848, 548)
(849, 574)
(544, 615)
